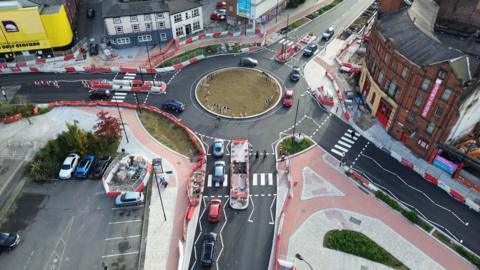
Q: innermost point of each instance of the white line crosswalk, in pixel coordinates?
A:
(119, 97)
(258, 179)
(286, 41)
(345, 142)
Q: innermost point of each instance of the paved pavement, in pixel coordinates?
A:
(324, 199)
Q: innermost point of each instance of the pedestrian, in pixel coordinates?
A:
(353, 133)
(264, 153)
(256, 154)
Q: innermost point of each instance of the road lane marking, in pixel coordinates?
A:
(338, 152)
(253, 209)
(341, 148)
(122, 222)
(225, 181)
(221, 230)
(347, 140)
(255, 179)
(270, 179)
(120, 254)
(122, 237)
(345, 144)
(209, 181)
(262, 179)
(271, 212)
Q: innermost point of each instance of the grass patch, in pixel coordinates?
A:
(298, 23)
(474, 259)
(358, 244)
(238, 92)
(182, 57)
(409, 214)
(168, 133)
(324, 9)
(291, 147)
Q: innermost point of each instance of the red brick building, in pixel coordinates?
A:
(413, 82)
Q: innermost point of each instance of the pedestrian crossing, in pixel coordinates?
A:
(129, 76)
(286, 42)
(258, 179)
(119, 96)
(345, 142)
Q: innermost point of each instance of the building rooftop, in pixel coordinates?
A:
(177, 6)
(115, 8)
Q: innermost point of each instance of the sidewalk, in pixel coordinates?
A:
(324, 199)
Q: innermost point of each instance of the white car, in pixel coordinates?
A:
(217, 147)
(68, 166)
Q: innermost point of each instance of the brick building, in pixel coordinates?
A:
(413, 82)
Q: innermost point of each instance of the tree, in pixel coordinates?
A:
(74, 139)
(107, 128)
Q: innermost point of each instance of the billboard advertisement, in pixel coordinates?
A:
(431, 97)
(445, 164)
(244, 8)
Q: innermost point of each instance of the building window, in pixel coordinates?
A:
(163, 36)
(411, 117)
(394, 65)
(119, 29)
(419, 101)
(177, 18)
(187, 15)
(196, 26)
(133, 19)
(160, 25)
(438, 111)
(372, 100)
(387, 57)
(195, 13)
(404, 72)
(136, 28)
(147, 18)
(425, 84)
(392, 89)
(430, 127)
(144, 38)
(179, 31)
(148, 26)
(446, 94)
(380, 77)
(117, 20)
(159, 15)
(124, 40)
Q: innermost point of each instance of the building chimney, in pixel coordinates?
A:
(389, 6)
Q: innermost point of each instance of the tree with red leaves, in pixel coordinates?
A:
(108, 128)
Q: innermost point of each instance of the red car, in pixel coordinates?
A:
(221, 4)
(288, 98)
(215, 210)
(219, 15)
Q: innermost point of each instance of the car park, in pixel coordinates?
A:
(248, 62)
(327, 35)
(215, 210)
(218, 147)
(8, 241)
(221, 5)
(100, 166)
(207, 257)
(99, 94)
(90, 13)
(219, 171)
(288, 98)
(68, 166)
(310, 50)
(173, 105)
(129, 198)
(295, 74)
(84, 166)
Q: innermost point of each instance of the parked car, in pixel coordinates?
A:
(8, 241)
(218, 148)
(215, 210)
(90, 13)
(173, 105)
(129, 198)
(216, 16)
(221, 5)
(99, 94)
(100, 166)
(248, 62)
(288, 98)
(68, 166)
(295, 74)
(327, 35)
(219, 171)
(310, 50)
(93, 49)
(84, 166)
(207, 257)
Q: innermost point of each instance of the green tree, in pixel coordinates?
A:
(74, 139)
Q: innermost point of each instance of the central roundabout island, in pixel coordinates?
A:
(238, 93)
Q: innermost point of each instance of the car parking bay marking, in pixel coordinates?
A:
(122, 237)
(126, 221)
(221, 230)
(127, 207)
(209, 181)
(120, 254)
(271, 212)
(253, 209)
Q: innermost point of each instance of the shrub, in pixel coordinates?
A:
(474, 259)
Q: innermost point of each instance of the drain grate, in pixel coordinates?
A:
(355, 220)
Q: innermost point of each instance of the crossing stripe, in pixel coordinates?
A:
(347, 140)
(262, 179)
(209, 181)
(282, 41)
(290, 42)
(270, 179)
(254, 179)
(120, 94)
(225, 182)
(337, 152)
(217, 184)
(344, 144)
(130, 74)
(341, 148)
(129, 77)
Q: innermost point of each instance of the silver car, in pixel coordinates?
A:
(218, 148)
(129, 198)
(219, 171)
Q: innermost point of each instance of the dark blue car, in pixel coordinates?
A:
(84, 166)
(173, 105)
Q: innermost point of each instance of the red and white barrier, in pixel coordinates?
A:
(130, 85)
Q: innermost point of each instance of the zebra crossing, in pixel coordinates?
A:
(129, 76)
(345, 142)
(258, 179)
(119, 96)
(286, 42)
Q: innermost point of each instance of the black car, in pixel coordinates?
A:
(173, 105)
(100, 94)
(248, 62)
(8, 240)
(90, 13)
(310, 50)
(100, 166)
(93, 49)
(295, 74)
(207, 256)
(328, 34)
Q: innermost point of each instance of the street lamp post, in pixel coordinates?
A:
(300, 257)
(121, 120)
(160, 194)
(295, 121)
(4, 94)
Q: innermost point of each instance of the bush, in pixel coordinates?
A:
(290, 146)
(7, 110)
(474, 259)
(294, 3)
(358, 244)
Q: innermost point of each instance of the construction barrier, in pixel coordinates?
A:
(13, 118)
